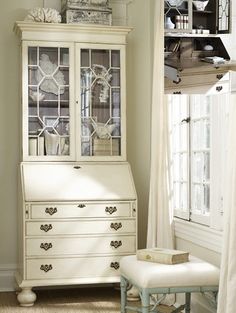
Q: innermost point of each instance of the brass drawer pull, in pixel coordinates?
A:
(46, 227)
(115, 265)
(219, 88)
(110, 209)
(219, 76)
(81, 206)
(177, 82)
(46, 268)
(51, 210)
(177, 93)
(116, 244)
(46, 246)
(116, 226)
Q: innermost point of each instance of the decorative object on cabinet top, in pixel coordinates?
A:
(78, 4)
(86, 12)
(47, 15)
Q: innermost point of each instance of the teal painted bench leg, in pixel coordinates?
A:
(187, 302)
(145, 300)
(123, 290)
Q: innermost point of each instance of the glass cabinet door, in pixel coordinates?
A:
(178, 15)
(100, 103)
(223, 16)
(48, 101)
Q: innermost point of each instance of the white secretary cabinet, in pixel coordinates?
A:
(77, 218)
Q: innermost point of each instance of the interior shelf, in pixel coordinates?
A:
(50, 103)
(203, 12)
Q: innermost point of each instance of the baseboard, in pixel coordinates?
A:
(7, 279)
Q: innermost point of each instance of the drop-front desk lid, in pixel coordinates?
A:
(73, 181)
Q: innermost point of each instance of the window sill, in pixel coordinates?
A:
(203, 236)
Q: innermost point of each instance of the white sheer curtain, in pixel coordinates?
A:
(159, 226)
(227, 290)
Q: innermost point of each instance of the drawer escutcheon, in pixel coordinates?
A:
(46, 227)
(51, 210)
(219, 76)
(110, 209)
(46, 267)
(116, 226)
(81, 205)
(219, 88)
(116, 244)
(46, 246)
(115, 265)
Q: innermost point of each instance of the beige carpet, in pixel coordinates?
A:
(80, 300)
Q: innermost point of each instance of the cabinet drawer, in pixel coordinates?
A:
(85, 227)
(219, 88)
(91, 245)
(196, 80)
(47, 211)
(72, 267)
(216, 89)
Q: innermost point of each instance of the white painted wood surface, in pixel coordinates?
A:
(62, 182)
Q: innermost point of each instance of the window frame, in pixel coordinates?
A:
(218, 122)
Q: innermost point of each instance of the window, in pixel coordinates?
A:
(197, 140)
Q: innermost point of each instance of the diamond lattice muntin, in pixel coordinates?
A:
(48, 100)
(100, 110)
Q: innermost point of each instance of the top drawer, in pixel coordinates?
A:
(198, 80)
(78, 210)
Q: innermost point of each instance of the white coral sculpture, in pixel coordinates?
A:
(103, 79)
(46, 15)
(53, 81)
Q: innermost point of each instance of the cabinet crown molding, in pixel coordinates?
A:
(71, 32)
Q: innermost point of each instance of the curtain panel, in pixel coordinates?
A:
(159, 226)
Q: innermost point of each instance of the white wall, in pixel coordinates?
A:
(138, 109)
(138, 94)
(9, 132)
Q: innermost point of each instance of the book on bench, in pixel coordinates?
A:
(164, 256)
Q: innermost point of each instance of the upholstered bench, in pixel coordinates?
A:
(155, 278)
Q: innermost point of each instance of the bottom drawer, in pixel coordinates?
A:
(72, 267)
(214, 89)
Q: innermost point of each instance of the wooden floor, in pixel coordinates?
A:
(79, 300)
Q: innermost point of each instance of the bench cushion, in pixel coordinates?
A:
(154, 275)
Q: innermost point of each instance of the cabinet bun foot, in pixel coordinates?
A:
(26, 297)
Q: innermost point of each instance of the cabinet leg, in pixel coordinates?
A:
(26, 297)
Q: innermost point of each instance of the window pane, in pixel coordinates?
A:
(200, 157)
